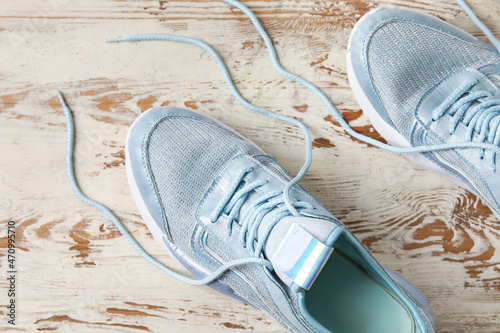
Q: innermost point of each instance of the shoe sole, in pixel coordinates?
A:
(388, 132)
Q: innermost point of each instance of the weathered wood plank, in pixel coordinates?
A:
(77, 273)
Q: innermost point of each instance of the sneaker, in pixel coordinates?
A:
(214, 201)
(425, 83)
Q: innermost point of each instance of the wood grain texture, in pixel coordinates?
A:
(78, 274)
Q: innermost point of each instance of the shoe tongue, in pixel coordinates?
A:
(298, 248)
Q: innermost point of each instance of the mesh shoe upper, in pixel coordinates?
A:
(185, 155)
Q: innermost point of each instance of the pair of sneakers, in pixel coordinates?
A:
(237, 221)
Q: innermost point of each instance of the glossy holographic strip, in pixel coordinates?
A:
(301, 256)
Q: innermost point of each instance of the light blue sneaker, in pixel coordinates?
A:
(424, 82)
(215, 202)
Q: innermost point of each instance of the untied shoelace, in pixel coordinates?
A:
(234, 206)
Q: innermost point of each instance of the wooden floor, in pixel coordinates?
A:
(76, 273)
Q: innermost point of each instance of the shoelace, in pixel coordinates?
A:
(270, 205)
(482, 120)
(308, 154)
(479, 23)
